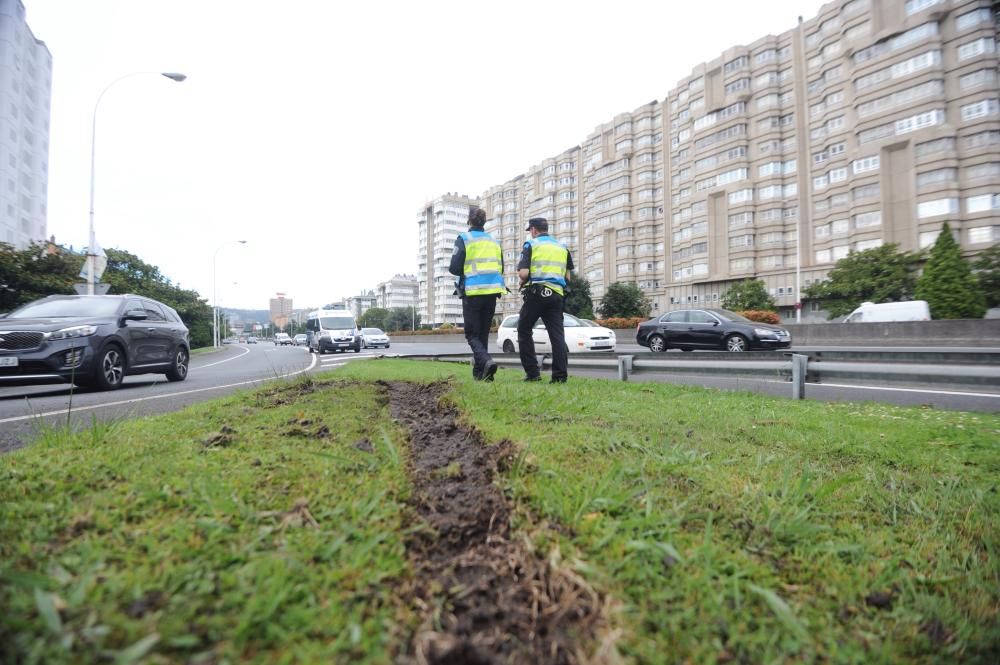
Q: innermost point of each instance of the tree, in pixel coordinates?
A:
(35, 272)
(375, 317)
(402, 318)
(880, 274)
(578, 300)
(947, 283)
(987, 272)
(624, 300)
(748, 294)
(127, 273)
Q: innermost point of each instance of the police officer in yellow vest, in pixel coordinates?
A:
(544, 268)
(478, 263)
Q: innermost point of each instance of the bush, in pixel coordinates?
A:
(761, 316)
(621, 323)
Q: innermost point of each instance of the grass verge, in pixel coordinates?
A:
(729, 526)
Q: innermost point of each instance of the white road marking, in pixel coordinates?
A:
(152, 397)
(905, 390)
(244, 349)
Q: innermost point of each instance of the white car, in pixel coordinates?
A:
(581, 337)
(373, 338)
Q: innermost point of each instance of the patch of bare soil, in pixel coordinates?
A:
(486, 598)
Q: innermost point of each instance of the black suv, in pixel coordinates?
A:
(690, 329)
(92, 341)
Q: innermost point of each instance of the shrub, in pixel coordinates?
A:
(761, 316)
(621, 323)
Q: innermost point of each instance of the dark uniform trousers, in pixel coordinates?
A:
(478, 314)
(550, 310)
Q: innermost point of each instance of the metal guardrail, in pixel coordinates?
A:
(798, 369)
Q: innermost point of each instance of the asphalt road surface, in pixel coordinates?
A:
(26, 410)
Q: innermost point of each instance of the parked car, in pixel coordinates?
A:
(373, 338)
(689, 329)
(92, 341)
(251, 340)
(907, 310)
(282, 339)
(301, 339)
(580, 337)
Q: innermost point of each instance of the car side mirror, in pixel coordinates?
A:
(136, 315)
(715, 323)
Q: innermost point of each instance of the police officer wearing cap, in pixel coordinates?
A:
(478, 263)
(544, 268)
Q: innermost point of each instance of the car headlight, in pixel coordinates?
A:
(764, 332)
(611, 333)
(326, 335)
(75, 331)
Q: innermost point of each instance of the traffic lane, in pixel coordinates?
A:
(25, 411)
(824, 392)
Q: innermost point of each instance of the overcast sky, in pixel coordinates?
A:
(315, 130)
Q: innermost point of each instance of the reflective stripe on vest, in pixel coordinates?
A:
(548, 263)
(483, 260)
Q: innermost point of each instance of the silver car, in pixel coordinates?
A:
(373, 338)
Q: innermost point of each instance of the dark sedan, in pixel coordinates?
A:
(690, 329)
(92, 341)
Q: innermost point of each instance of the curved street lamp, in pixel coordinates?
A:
(91, 248)
(215, 302)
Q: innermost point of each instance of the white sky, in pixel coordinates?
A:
(315, 130)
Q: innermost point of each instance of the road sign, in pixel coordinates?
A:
(100, 289)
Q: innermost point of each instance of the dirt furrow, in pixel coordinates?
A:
(486, 598)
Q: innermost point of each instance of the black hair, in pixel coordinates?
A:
(477, 217)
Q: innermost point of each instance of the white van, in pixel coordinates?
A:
(332, 330)
(907, 310)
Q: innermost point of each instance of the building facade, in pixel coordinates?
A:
(360, 304)
(25, 108)
(438, 224)
(871, 123)
(280, 310)
(400, 291)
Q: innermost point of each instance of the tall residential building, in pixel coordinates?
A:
(360, 304)
(400, 291)
(281, 310)
(438, 224)
(25, 99)
(871, 123)
(503, 205)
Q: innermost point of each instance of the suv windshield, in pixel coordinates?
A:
(336, 322)
(62, 308)
(372, 331)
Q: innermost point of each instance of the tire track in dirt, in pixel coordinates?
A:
(486, 599)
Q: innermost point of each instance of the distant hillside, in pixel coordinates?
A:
(247, 315)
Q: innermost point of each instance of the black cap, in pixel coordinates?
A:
(539, 223)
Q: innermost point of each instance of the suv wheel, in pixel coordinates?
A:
(179, 370)
(110, 371)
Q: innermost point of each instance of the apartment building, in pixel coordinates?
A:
(503, 205)
(360, 304)
(400, 291)
(873, 122)
(438, 224)
(280, 310)
(25, 107)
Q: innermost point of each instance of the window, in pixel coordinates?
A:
(862, 245)
(984, 234)
(868, 219)
(823, 256)
(839, 227)
(741, 241)
(741, 196)
(982, 203)
(838, 175)
(928, 238)
(975, 48)
(937, 207)
(741, 219)
(981, 140)
(987, 170)
(737, 85)
(741, 265)
(935, 146)
(914, 6)
(735, 64)
(977, 78)
(936, 176)
(970, 19)
(866, 164)
(980, 109)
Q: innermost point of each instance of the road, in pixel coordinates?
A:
(24, 411)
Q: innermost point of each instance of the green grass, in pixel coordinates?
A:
(725, 526)
(180, 535)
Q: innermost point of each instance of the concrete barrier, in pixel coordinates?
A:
(960, 332)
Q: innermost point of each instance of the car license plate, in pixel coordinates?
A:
(8, 362)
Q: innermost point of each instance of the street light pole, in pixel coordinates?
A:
(91, 246)
(215, 300)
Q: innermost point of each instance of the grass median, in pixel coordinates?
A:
(721, 527)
